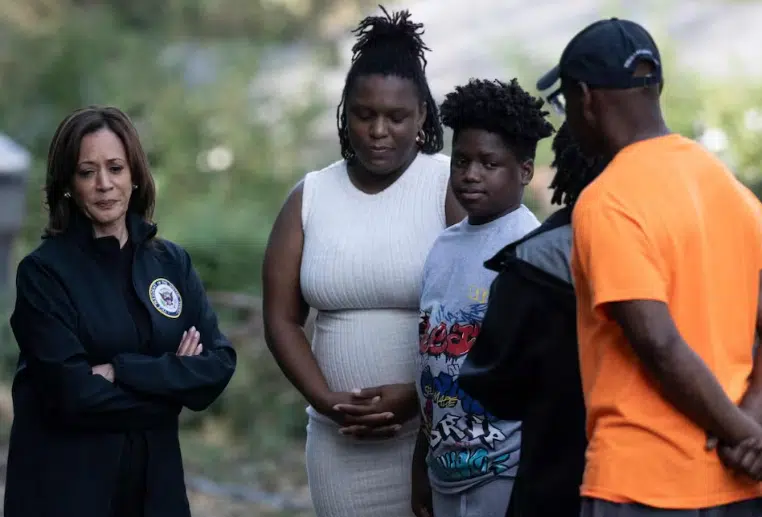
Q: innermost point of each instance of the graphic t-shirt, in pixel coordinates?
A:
(467, 445)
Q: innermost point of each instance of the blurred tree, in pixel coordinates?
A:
(184, 70)
(224, 152)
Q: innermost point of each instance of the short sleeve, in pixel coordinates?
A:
(614, 255)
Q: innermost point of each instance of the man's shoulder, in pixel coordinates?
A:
(589, 202)
(752, 201)
(619, 188)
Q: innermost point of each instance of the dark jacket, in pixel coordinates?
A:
(70, 427)
(524, 366)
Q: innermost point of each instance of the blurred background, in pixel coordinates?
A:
(235, 101)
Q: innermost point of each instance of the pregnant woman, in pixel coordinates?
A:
(351, 241)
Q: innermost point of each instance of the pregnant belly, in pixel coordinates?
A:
(365, 348)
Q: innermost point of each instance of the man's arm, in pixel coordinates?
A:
(617, 252)
(684, 379)
(746, 457)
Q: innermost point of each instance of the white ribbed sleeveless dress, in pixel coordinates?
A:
(361, 269)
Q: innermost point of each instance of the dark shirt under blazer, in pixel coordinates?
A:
(70, 426)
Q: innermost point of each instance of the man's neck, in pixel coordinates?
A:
(638, 133)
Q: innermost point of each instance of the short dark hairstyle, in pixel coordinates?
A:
(574, 170)
(63, 155)
(391, 45)
(504, 109)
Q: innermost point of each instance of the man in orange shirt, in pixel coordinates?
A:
(666, 265)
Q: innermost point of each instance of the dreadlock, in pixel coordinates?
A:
(574, 170)
(391, 45)
(504, 109)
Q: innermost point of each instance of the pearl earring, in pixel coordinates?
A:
(67, 195)
(134, 187)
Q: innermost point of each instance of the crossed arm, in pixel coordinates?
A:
(149, 391)
(44, 323)
(194, 380)
(684, 379)
(747, 456)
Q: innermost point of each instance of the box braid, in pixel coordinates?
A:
(574, 170)
(504, 109)
(391, 45)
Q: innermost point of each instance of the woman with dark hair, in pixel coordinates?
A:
(115, 335)
(351, 241)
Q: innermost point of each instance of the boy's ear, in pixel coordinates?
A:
(527, 171)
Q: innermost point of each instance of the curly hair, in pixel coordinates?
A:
(391, 45)
(504, 109)
(574, 170)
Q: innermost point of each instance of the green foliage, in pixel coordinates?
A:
(223, 159)
(184, 69)
(260, 405)
(223, 216)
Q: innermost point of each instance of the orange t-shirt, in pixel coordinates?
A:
(665, 221)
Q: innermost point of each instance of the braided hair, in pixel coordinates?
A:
(504, 109)
(391, 45)
(574, 170)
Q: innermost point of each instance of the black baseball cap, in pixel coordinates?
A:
(605, 55)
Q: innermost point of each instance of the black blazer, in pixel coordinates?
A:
(69, 425)
(525, 366)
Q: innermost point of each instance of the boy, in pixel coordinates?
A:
(466, 459)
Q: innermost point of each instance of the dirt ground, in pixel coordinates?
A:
(265, 488)
(210, 498)
(203, 505)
